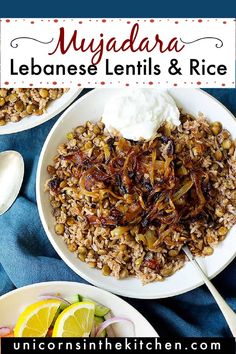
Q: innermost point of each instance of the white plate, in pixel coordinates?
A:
(54, 107)
(90, 107)
(13, 303)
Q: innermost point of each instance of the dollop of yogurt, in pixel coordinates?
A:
(138, 113)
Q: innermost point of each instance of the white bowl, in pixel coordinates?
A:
(13, 303)
(90, 107)
(54, 107)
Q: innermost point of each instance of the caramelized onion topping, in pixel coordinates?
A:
(144, 181)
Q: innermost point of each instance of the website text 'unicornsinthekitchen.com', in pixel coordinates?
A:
(118, 345)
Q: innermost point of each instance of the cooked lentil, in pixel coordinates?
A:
(184, 176)
(18, 103)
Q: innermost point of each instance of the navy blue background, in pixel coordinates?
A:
(26, 255)
(121, 8)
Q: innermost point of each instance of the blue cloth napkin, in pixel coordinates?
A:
(26, 255)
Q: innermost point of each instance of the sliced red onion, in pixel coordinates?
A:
(54, 297)
(110, 330)
(93, 331)
(111, 321)
(4, 331)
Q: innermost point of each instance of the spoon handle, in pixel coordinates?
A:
(228, 313)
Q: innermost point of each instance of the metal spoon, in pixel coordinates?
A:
(11, 177)
(228, 313)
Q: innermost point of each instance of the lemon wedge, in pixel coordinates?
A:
(75, 321)
(36, 319)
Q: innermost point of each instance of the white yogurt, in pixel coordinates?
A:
(138, 113)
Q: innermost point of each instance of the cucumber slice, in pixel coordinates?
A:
(63, 306)
(98, 321)
(100, 310)
(74, 298)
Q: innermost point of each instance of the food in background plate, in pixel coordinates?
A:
(18, 103)
(54, 316)
(128, 207)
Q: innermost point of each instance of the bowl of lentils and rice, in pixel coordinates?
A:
(119, 211)
(25, 108)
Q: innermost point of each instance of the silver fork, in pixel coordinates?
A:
(228, 313)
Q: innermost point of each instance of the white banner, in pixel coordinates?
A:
(118, 52)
